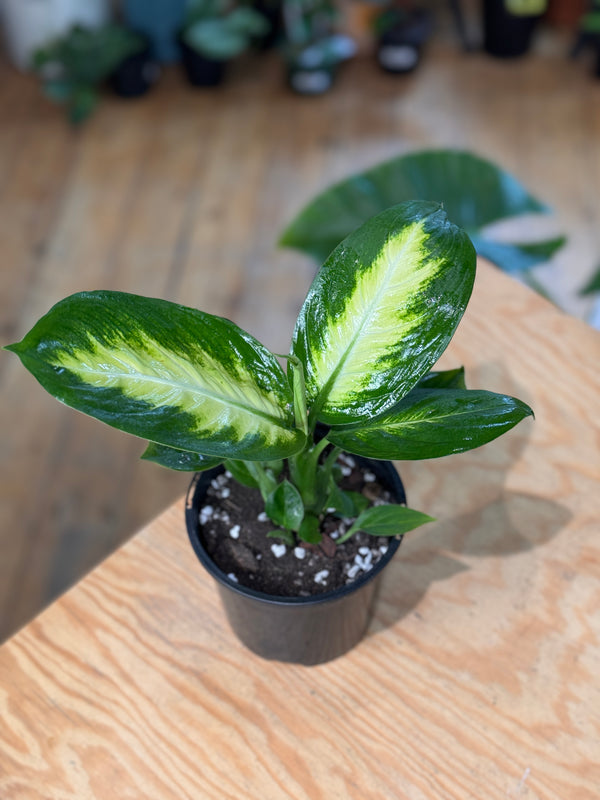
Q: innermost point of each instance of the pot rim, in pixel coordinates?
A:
(193, 529)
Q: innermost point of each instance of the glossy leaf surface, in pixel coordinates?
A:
(167, 373)
(445, 379)
(430, 423)
(285, 507)
(474, 192)
(389, 520)
(381, 311)
(181, 460)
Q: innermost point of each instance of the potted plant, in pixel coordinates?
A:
(508, 25)
(137, 72)
(207, 395)
(29, 23)
(311, 49)
(73, 67)
(214, 32)
(401, 34)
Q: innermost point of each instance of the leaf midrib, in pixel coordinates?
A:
(323, 395)
(428, 421)
(184, 387)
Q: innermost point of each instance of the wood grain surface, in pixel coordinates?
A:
(478, 678)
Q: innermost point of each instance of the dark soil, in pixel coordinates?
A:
(234, 528)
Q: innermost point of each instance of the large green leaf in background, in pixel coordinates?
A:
(430, 423)
(167, 373)
(473, 191)
(381, 311)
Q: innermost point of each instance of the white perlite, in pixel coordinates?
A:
(369, 477)
(205, 514)
(262, 517)
(278, 550)
(235, 532)
(364, 562)
(299, 552)
(232, 577)
(321, 577)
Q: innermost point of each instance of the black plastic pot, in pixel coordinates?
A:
(506, 35)
(136, 74)
(300, 630)
(400, 46)
(200, 70)
(271, 11)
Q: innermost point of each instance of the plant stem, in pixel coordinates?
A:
(311, 478)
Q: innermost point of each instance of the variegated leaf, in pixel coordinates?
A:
(167, 373)
(430, 423)
(381, 311)
(180, 460)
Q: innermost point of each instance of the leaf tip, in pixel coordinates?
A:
(13, 348)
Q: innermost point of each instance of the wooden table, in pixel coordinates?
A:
(480, 676)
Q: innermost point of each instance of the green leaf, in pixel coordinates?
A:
(82, 103)
(275, 467)
(248, 21)
(299, 391)
(285, 507)
(182, 460)
(593, 285)
(286, 536)
(58, 90)
(213, 40)
(430, 423)
(345, 503)
(167, 373)
(341, 502)
(241, 473)
(474, 192)
(381, 311)
(309, 530)
(446, 379)
(514, 258)
(389, 520)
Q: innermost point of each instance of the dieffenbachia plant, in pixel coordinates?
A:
(378, 315)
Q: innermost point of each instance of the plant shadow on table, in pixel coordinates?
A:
(502, 522)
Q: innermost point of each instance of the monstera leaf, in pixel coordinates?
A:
(474, 192)
(170, 374)
(381, 311)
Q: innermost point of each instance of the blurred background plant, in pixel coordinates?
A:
(221, 29)
(73, 66)
(312, 48)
